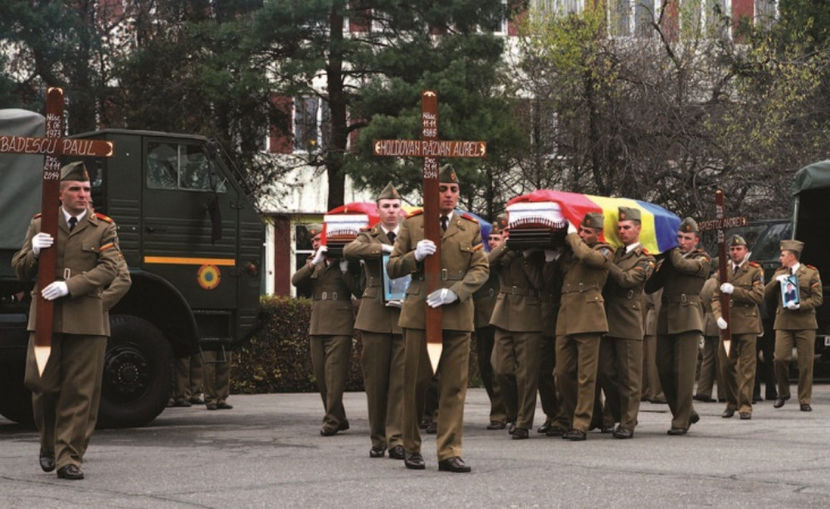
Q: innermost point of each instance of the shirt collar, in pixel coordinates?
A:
(795, 267)
(631, 247)
(395, 230)
(67, 215)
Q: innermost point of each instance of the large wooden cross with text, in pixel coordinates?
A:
(52, 146)
(720, 224)
(431, 148)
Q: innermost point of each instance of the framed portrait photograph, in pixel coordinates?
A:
(394, 290)
(789, 291)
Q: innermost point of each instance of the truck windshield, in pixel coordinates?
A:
(180, 166)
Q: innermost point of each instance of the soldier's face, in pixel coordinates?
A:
(447, 197)
(628, 231)
(74, 196)
(687, 241)
(737, 253)
(588, 235)
(495, 240)
(787, 258)
(390, 212)
(315, 242)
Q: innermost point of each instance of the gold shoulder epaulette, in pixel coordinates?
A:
(366, 228)
(102, 217)
(416, 212)
(468, 217)
(812, 267)
(755, 264)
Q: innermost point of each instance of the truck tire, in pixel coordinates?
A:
(137, 373)
(16, 401)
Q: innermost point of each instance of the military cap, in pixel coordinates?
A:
(499, 224)
(688, 225)
(593, 220)
(793, 245)
(737, 240)
(446, 174)
(389, 193)
(314, 229)
(629, 214)
(75, 171)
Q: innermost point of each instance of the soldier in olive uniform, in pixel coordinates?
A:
(710, 364)
(680, 323)
(87, 261)
(517, 318)
(555, 424)
(795, 324)
(484, 300)
(581, 322)
(745, 286)
(652, 391)
(464, 270)
(331, 328)
(377, 321)
(621, 351)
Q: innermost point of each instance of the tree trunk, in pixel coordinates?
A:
(337, 105)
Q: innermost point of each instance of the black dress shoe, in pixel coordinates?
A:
(414, 461)
(779, 402)
(454, 464)
(327, 432)
(677, 431)
(397, 453)
(520, 434)
(343, 426)
(606, 429)
(511, 428)
(181, 402)
(224, 406)
(47, 461)
(377, 452)
(769, 396)
(70, 472)
(621, 432)
(745, 416)
(729, 412)
(497, 425)
(694, 418)
(805, 407)
(555, 431)
(212, 406)
(575, 435)
(705, 399)
(543, 428)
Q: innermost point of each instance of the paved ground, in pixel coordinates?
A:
(267, 452)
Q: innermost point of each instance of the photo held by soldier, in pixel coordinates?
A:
(251, 251)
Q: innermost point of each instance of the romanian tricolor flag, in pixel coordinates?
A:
(659, 226)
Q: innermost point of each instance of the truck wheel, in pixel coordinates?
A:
(137, 377)
(16, 401)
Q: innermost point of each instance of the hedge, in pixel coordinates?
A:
(277, 357)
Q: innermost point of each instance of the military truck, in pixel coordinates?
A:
(194, 244)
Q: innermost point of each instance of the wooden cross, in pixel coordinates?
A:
(431, 148)
(720, 224)
(52, 146)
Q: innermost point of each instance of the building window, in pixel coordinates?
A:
(766, 11)
(630, 17)
(311, 124)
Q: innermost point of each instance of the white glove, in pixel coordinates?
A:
(552, 255)
(423, 249)
(781, 278)
(571, 227)
(318, 255)
(387, 248)
(527, 252)
(722, 324)
(793, 306)
(41, 241)
(55, 290)
(441, 297)
(727, 288)
(344, 266)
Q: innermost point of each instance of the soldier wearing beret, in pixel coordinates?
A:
(333, 281)
(680, 324)
(621, 351)
(745, 287)
(581, 322)
(87, 261)
(484, 300)
(463, 270)
(517, 318)
(377, 321)
(795, 322)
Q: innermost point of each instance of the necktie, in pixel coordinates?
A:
(391, 236)
(444, 222)
(72, 222)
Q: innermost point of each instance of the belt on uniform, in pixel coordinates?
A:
(516, 290)
(331, 296)
(580, 287)
(681, 298)
(445, 276)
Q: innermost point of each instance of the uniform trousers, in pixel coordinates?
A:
(711, 369)
(62, 398)
(330, 357)
(452, 375)
(652, 390)
(805, 345)
(676, 361)
(382, 360)
(485, 337)
(577, 358)
(216, 371)
(547, 383)
(188, 377)
(620, 375)
(738, 371)
(515, 359)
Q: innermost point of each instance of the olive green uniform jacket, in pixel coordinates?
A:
(624, 302)
(518, 305)
(585, 270)
(810, 294)
(374, 315)
(744, 314)
(332, 313)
